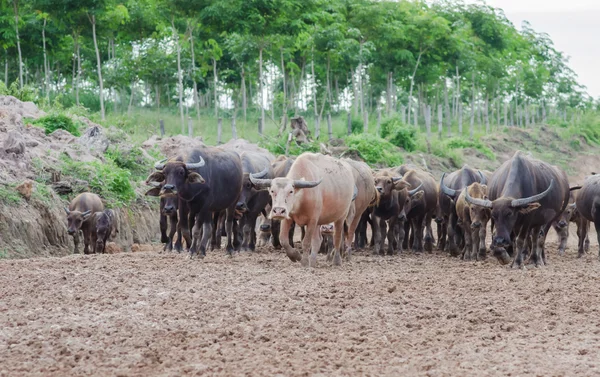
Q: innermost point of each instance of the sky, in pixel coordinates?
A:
(573, 25)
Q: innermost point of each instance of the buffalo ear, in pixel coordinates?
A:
(530, 208)
(484, 188)
(157, 176)
(417, 196)
(155, 191)
(401, 184)
(194, 177)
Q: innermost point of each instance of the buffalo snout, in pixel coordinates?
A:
(71, 232)
(241, 206)
(379, 189)
(476, 225)
(499, 241)
(279, 212)
(439, 220)
(562, 224)
(265, 227)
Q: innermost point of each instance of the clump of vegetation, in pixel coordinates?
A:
(105, 179)
(25, 94)
(42, 193)
(458, 143)
(440, 149)
(375, 150)
(357, 126)
(277, 146)
(9, 196)
(399, 134)
(129, 159)
(53, 122)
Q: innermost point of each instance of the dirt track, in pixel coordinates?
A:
(159, 314)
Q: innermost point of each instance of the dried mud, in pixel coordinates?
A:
(141, 314)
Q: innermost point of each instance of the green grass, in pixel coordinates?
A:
(375, 150)
(41, 193)
(53, 122)
(9, 196)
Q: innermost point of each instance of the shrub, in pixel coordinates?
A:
(375, 150)
(458, 143)
(53, 122)
(129, 159)
(9, 196)
(105, 179)
(399, 134)
(26, 94)
(357, 126)
(277, 146)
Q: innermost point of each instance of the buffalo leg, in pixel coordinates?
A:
(379, 229)
(391, 234)
(249, 242)
(401, 234)
(338, 241)
(563, 235)
(184, 225)
(86, 242)
(229, 219)
(520, 245)
(582, 233)
(417, 241)
(311, 243)
(201, 234)
(452, 228)
(354, 220)
(537, 244)
(284, 230)
(163, 229)
(470, 242)
(428, 246)
(76, 242)
(482, 233)
(275, 226)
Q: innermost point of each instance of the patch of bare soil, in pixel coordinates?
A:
(259, 314)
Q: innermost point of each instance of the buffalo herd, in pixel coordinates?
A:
(254, 199)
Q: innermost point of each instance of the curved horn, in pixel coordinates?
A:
(483, 180)
(575, 188)
(261, 174)
(160, 165)
(396, 179)
(355, 193)
(261, 184)
(532, 199)
(445, 189)
(195, 165)
(485, 203)
(412, 192)
(67, 210)
(153, 184)
(86, 212)
(307, 184)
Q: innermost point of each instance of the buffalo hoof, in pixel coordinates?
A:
(428, 246)
(164, 239)
(193, 256)
(580, 255)
(337, 260)
(502, 257)
(178, 248)
(561, 252)
(294, 255)
(312, 260)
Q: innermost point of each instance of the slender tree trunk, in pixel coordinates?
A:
(193, 74)
(458, 97)
(284, 83)
(16, 10)
(6, 69)
(460, 118)
(157, 87)
(330, 99)
(179, 75)
(355, 88)
(99, 67)
(46, 85)
(472, 125)
(447, 108)
(314, 92)
(216, 94)
(388, 92)
(130, 106)
(505, 113)
(440, 113)
(78, 71)
(260, 88)
(428, 121)
(337, 92)
(244, 99)
(412, 80)
(486, 113)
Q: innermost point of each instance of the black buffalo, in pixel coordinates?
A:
(588, 206)
(525, 196)
(208, 180)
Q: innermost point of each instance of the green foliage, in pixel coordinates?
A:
(42, 193)
(53, 122)
(399, 134)
(357, 126)
(106, 179)
(458, 143)
(9, 196)
(131, 159)
(375, 150)
(440, 149)
(26, 94)
(589, 128)
(277, 146)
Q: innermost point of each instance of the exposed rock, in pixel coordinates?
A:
(113, 248)
(94, 140)
(62, 187)
(14, 143)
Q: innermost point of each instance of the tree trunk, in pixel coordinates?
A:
(472, 125)
(45, 60)
(284, 83)
(99, 66)
(460, 118)
(388, 94)
(6, 69)
(505, 113)
(355, 88)
(314, 93)
(193, 74)
(215, 83)
(260, 87)
(360, 81)
(16, 9)
(440, 113)
(447, 108)
(179, 76)
(157, 100)
(486, 113)
(428, 121)
(78, 71)
(412, 81)
(233, 128)
(244, 99)
(131, 98)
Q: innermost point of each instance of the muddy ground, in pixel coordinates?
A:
(141, 314)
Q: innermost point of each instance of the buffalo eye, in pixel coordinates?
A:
(390, 181)
(248, 185)
(508, 213)
(291, 191)
(181, 173)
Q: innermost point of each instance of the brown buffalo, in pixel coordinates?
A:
(317, 190)
(327, 234)
(106, 228)
(473, 220)
(570, 215)
(525, 196)
(79, 217)
(421, 210)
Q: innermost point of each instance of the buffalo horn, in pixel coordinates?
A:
(355, 194)
(483, 181)
(478, 202)
(575, 188)
(67, 210)
(160, 165)
(307, 184)
(86, 212)
(153, 184)
(445, 189)
(396, 179)
(532, 199)
(261, 174)
(260, 184)
(412, 192)
(195, 165)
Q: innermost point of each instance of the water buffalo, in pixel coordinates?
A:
(251, 201)
(209, 180)
(421, 211)
(169, 207)
(451, 186)
(561, 225)
(525, 196)
(473, 220)
(281, 166)
(392, 205)
(588, 206)
(365, 195)
(106, 227)
(79, 217)
(327, 234)
(317, 190)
